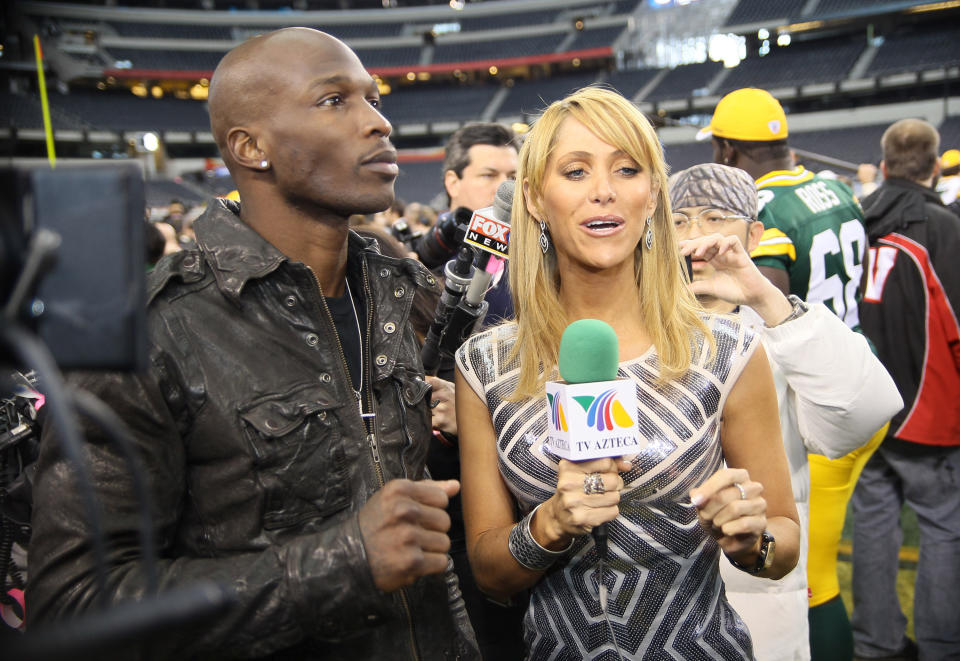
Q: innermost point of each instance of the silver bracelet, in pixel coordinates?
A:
(525, 549)
(799, 309)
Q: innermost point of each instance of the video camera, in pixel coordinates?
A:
(72, 264)
(73, 293)
(441, 242)
(403, 233)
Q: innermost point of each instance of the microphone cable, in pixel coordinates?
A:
(599, 534)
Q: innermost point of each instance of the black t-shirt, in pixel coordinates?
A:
(351, 326)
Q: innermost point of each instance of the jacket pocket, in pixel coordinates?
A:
(412, 393)
(298, 456)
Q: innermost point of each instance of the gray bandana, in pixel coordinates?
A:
(714, 185)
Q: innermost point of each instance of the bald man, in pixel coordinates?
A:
(284, 420)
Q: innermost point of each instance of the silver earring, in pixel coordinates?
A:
(544, 238)
(264, 163)
(648, 237)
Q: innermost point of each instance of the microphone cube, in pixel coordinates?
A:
(488, 233)
(592, 420)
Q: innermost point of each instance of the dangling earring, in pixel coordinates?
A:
(544, 238)
(648, 237)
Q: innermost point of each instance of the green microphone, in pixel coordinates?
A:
(590, 352)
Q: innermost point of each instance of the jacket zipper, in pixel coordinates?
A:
(370, 434)
(368, 425)
(372, 439)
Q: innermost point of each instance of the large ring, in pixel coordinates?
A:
(593, 483)
(743, 492)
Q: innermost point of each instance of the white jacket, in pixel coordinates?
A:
(833, 395)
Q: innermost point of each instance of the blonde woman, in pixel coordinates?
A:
(592, 237)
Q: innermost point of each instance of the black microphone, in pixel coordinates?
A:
(489, 233)
(457, 274)
(461, 308)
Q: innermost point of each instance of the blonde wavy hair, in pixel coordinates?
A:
(671, 313)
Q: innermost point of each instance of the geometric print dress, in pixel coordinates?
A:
(664, 594)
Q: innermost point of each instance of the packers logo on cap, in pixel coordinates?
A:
(747, 114)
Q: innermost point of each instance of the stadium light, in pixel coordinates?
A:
(763, 33)
(199, 92)
(727, 48)
(783, 39)
(151, 141)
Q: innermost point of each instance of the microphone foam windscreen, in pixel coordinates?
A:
(589, 352)
(503, 202)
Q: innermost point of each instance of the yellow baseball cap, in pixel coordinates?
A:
(747, 114)
(950, 159)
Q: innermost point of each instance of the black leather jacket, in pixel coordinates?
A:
(257, 461)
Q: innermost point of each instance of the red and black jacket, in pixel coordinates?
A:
(911, 307)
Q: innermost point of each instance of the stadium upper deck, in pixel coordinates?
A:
(501, 60)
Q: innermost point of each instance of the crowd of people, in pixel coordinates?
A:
(792, 347)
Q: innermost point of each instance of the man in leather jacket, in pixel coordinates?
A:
(283, 420)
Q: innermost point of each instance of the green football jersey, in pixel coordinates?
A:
(813, 229)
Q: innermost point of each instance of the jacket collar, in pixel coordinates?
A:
(237, 253)
(895, 204)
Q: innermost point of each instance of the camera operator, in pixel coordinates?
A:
(477, 159)
(283, 418)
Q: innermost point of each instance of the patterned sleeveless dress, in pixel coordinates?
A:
(665, 596)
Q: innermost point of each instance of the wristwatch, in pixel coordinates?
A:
(799, 309)
(765, 560)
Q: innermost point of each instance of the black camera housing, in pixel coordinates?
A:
(89, 307)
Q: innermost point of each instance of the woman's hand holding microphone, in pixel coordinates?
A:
(588, 494)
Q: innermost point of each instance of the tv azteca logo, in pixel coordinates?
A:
(556, 413)
(603, 412)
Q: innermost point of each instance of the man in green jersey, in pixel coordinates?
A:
(814, 243)
(813, 246)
